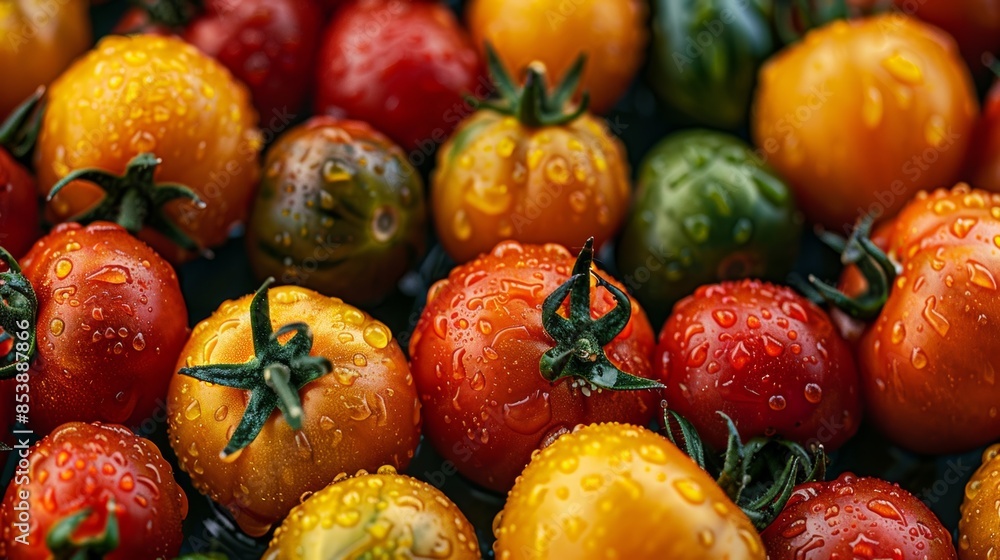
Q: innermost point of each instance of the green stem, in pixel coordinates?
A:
(63, 546)
(20, 130)
(278, 377)
(18, 310)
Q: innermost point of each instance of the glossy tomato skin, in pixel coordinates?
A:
(86, 465)
(975, 24)
(853, 517)
(915, 356)
(766, 357)
(340, 210)
(111, 321)
(887, 84)
(979, 527)
(401, 517)
(362, 415)
(40, 40)
(497, 179)
(984, 155)
(160, 95)
(612, 33)
(705, 210)
(475, 356)
(619, 491)
(403, 67)
(19, 226)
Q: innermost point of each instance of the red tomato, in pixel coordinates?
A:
(401, 66)
(475, 356)
(975, 24)
(18, 206)
(984, 157)
(766, 357)
(855, 517)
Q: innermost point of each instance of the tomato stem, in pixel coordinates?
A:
(273, 376)
(532, 104)
(134, 199)
(18, 311)
(60, 540)
(20, 130)
(580, 339)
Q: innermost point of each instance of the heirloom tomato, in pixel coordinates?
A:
(402, 66)
(135, 96)
(765, 356)
(92, 491)
(856, 517)
(610, 33)
(340, 210)
(979, 528)
(502, 366)
(524, 168)
(619, 491)
(400, 517)
(927, 287)
(887, 84)
(40, 39)
(975, 24)
(107, 321)
(269, 45)
(279, 392)
(705, 210)
(710, 82)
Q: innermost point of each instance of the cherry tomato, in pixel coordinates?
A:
(269, 45)
(109, 325)
(618, 491)
(401, 66)
(92, 491)
(496, 383)
(919, 324)
(145, 94)
(40, 39)
(887, 84)
(611, 33)
(535, 173)
(984, 155)
(19, 226)
(856, 517)
(979, 528)
(340, 210)
(765, 356)
(400, 517)
(345, 394)
(975, 24)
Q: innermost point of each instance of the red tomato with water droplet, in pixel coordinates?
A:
(103, 467)
(855, 517)
(402, 66)
(766, 357)
(18, 206)
(111, 321)
(475, 358)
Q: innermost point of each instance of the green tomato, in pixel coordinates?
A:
(706, 54)
(706, 210)
(340, 210)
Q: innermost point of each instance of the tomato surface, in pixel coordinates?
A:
(984, 154)
(890, 85)
(89, 478)
(620, 491)
(340, 210)
(475, 355)
(856, 517)
(19, 227)
(766, 357)
(975, 24)
(378, 514)
(360, 411)
(160, 95)
(979, 528)
(110, 323)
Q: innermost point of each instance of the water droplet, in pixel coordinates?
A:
(528, 415)
(934, 318)
(813, 393)
(898, 332)
(776, 402)
(697, 227)
(557, 171)
(724, 318)
(139, 342)
(918, 358)
(56, 326)
(193, 410)
(772, 347)
(690, 490)
(739, 357)
(63, 268)
(962, 226)
(302, 445)
(698, 355)
(345, 376)
(461, 225)
(904, 67)
(981, 276)
(221, 413)
(127, 483)
(706, 538)
(377, 335)
(360, 360)
(794, 529)
(872, 106)
(111, 274)
(886, 509)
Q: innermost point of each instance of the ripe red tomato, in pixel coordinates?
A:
(18, 206)
(765, 356)
(110, 323)
(92, 490)
(984, 155)
(975, 24)
(270, 45)
(401, 66)
(854, 517)
(487, 366)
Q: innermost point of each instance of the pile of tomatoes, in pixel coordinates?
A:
(517, 279)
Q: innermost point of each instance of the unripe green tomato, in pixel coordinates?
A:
(340, 210)
(706, 210)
